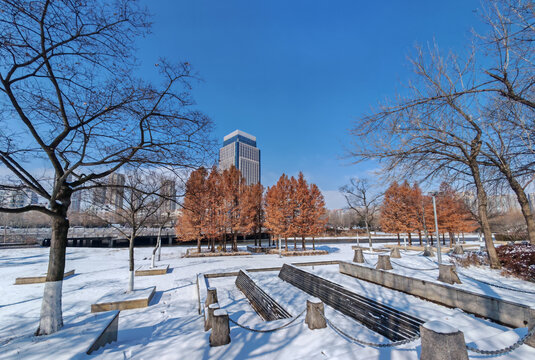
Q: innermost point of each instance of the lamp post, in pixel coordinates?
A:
(439, 252)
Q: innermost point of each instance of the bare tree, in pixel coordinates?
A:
(136, 204)
(69, 96)
(361, 199)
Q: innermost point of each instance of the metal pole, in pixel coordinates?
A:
(439, 252)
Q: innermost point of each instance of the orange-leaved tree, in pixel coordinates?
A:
(231, 188)
(318, 215)
(279, 208)
(191, 220)
(252, 211)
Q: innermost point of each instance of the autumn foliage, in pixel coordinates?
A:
(293, 208)
(406, 210)
(219, 206)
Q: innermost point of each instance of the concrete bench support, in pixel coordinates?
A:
(358, 257)
(220, 334)
(447, 274)
(108, 336)
(210, 316)
(211, 296)
(315, 318)
(394, 254)
(383, 263)
(441, 341)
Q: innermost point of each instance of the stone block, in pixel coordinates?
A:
(394, 254)
(383, 263)
(428, 251)
(441, 341)
(448, 274)
(220, 334)
(458, 250)
(210, 316)
(211, 296)
(315, 317)
(358, 257)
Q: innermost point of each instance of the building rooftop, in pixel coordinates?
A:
(240, 133)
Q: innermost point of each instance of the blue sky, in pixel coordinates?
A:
(296, 73)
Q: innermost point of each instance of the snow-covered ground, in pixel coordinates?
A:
(171, 327)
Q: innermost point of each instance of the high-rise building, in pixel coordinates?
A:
(168, 192)
(115, 193)
(239, 149)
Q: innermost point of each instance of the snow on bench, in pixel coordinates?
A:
(147, 270)
(39, 279)
(120, 300)
(79, 336)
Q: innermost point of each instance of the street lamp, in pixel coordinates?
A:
(439, 252)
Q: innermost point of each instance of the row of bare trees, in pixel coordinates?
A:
(219, 205)
(468, 118)
(295, 209)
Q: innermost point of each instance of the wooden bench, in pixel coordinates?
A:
(387, 321)
(264, 305)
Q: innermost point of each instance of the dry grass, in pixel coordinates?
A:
(517, 260)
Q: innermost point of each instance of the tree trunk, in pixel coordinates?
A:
(259, 236)
(452, 239)
(51, 318)
(524, 206)
(303, 242)
(369, 234)
(483, 216)
(131, 262)
(199, 244)
(235, 242)
(410, 238)
(420, 236)
(399, 243)
(286, 243)
(443, 239)
(431, 238)
(313, 243)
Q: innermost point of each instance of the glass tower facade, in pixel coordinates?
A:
(239, 149)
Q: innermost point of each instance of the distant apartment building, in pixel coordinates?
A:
(115, 192)
(110, 195)
(168, 193)
(239, 149)
(16, 198)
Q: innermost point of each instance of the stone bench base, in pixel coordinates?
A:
(123, 301)
(39, 279)
(79, 336)
(107, 336)
(146, 270)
